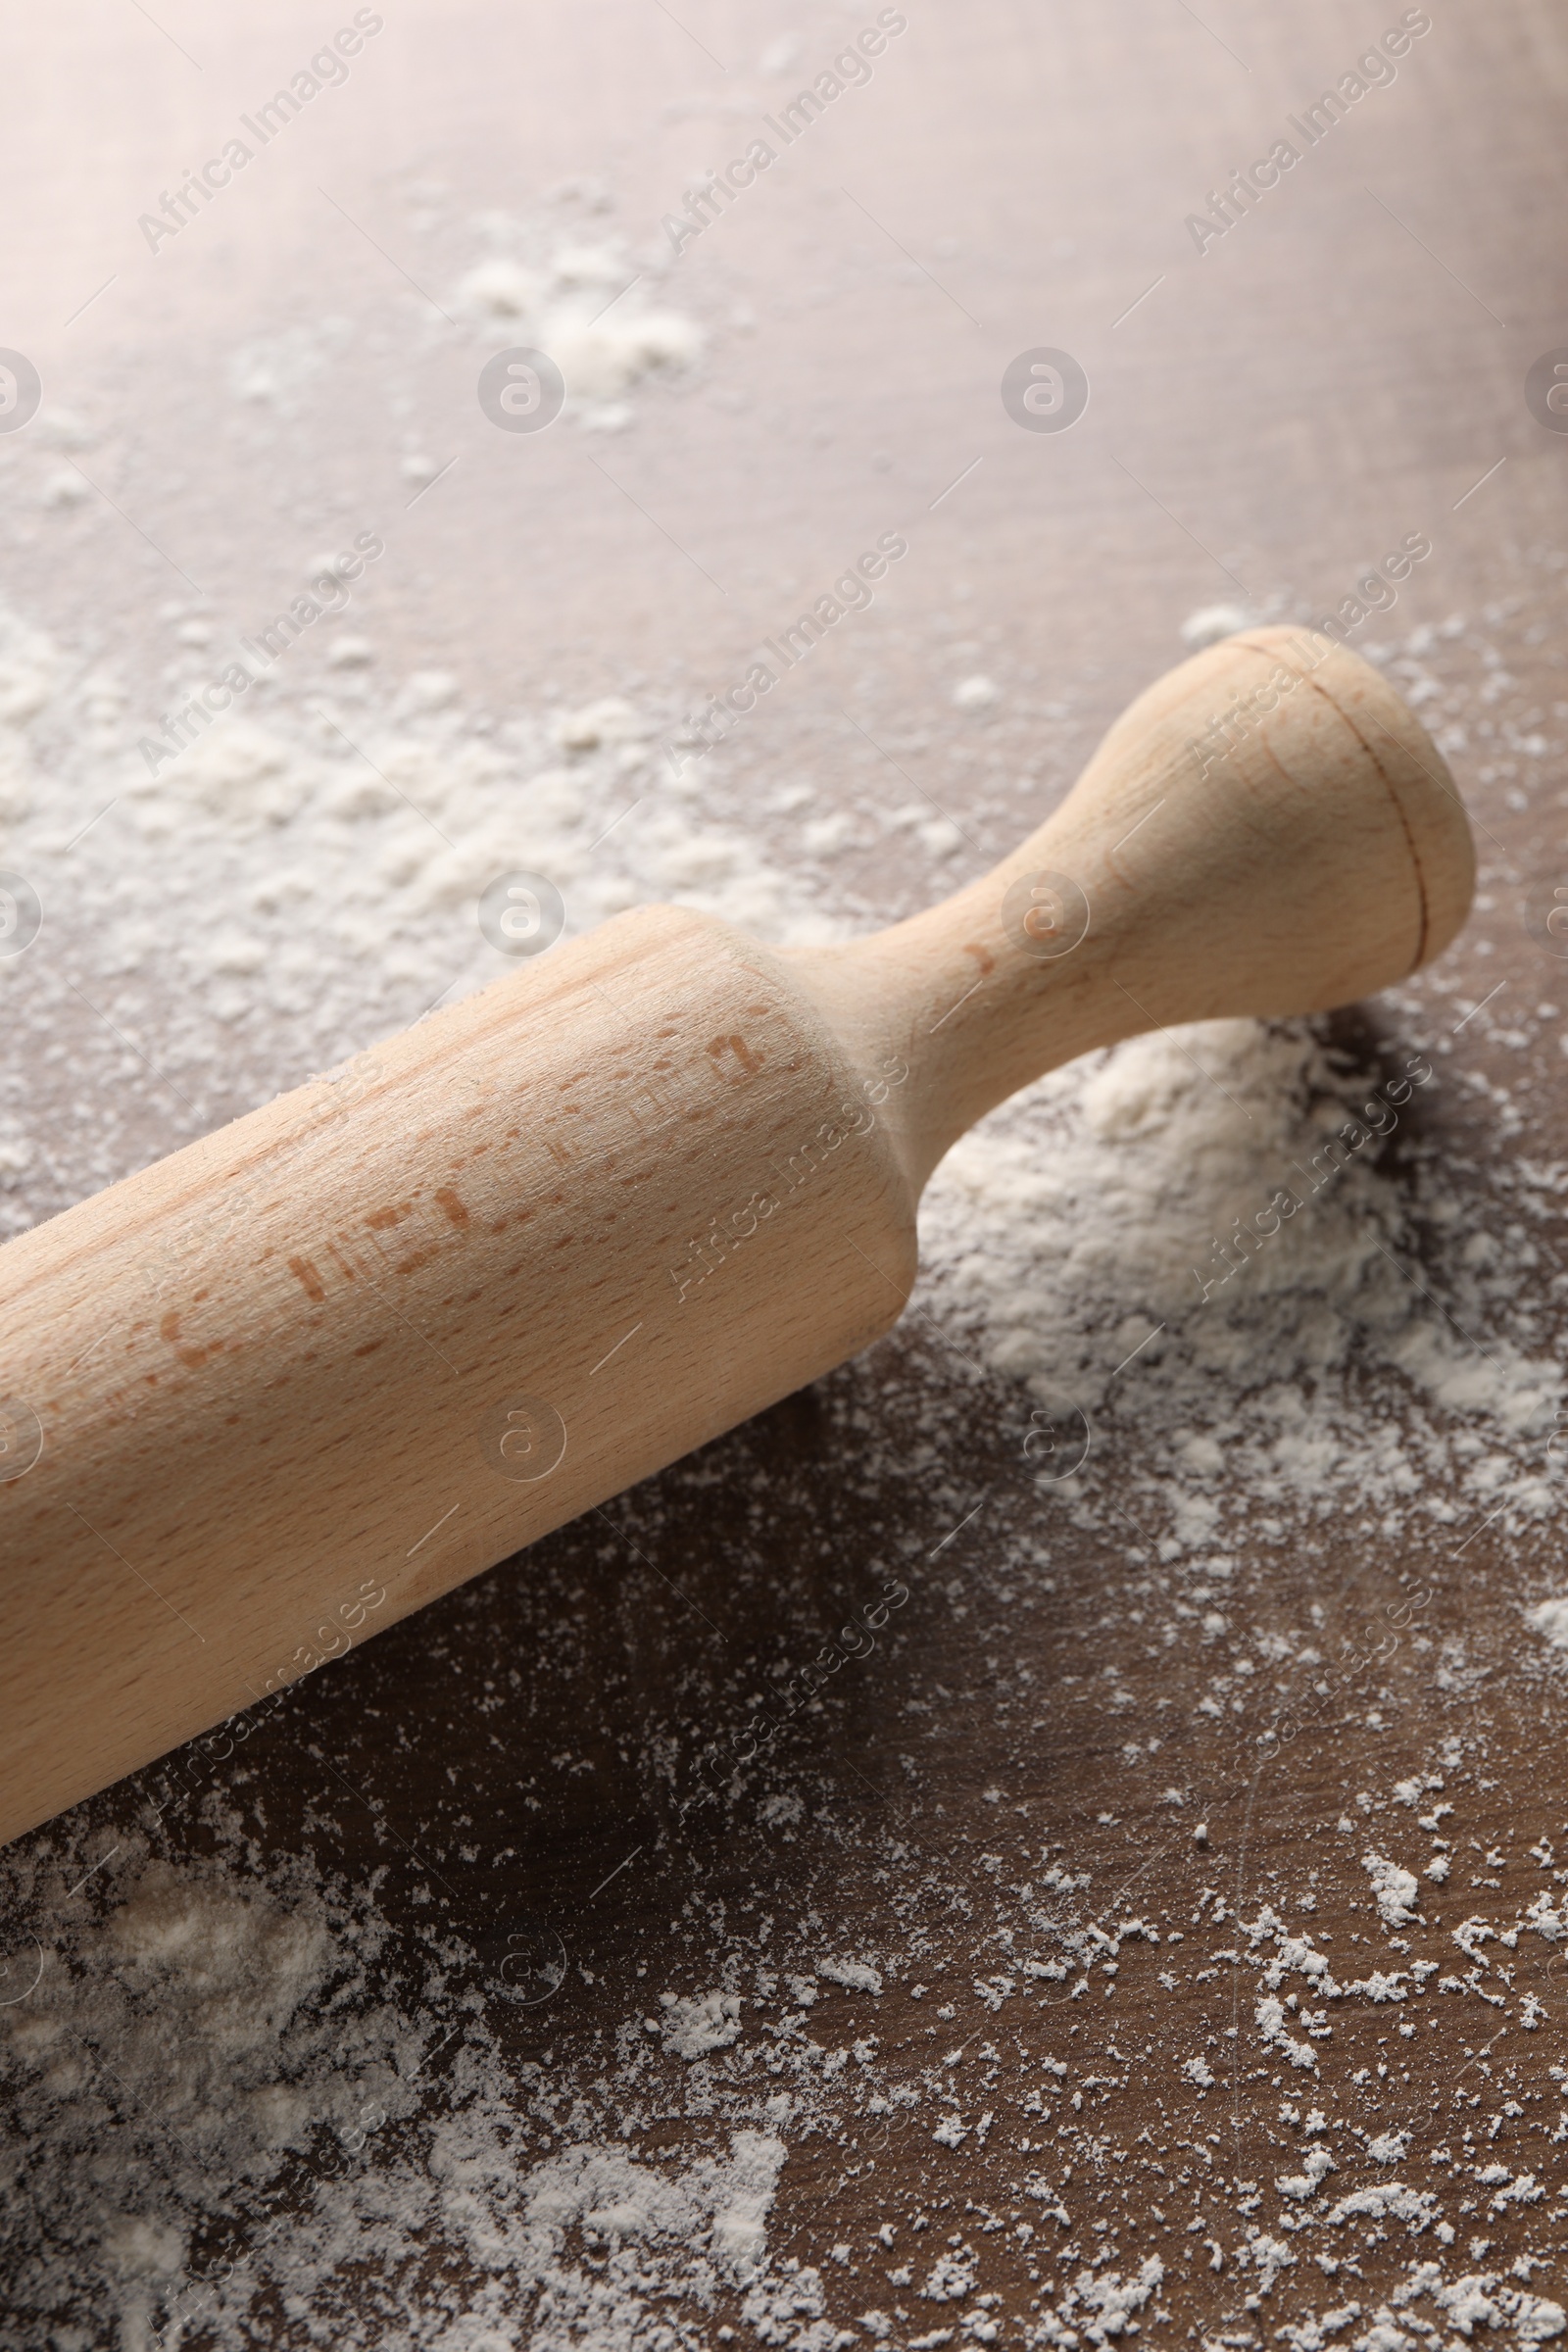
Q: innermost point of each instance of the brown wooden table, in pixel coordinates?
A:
(1344, 366)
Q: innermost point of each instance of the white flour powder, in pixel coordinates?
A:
(585, 304)
(1167, 1235)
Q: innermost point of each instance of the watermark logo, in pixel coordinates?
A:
(850, 592)
(21, 913)
(521, 390)
(1545, 389)
(326, 69)
(21, 1439)
(1547, 916)
(1374, 69)
(521, 913)
(1044, 390)
(524, 1439)
(21, 391)
(20, 1968)
(1378, 1118)
(1055, 1443)
(745, 1741)
(327, 592)
(716, 191)
(1046, 914)
(1373, 592)
(526, 1959)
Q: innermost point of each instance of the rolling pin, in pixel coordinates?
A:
(290, 1384)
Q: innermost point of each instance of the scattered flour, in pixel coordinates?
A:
(214, 2026)
(1310, 2179)
(1211, 622)
(859, 1975)
(1166, 1236)
(707, 2020)
(1550, 1618)
(586, 304)
(1417, 2207)
(1395, 1890)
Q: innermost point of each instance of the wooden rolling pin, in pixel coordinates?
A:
(294, 1382)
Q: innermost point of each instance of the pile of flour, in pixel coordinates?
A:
(213, 2027)
(1162, 1239)
(562, 282)
(587, 304)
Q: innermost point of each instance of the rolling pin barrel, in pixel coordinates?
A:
(311, 1371)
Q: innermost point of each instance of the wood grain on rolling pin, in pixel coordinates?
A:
(399, 1323)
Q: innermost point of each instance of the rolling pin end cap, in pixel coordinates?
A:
(1396, 757)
